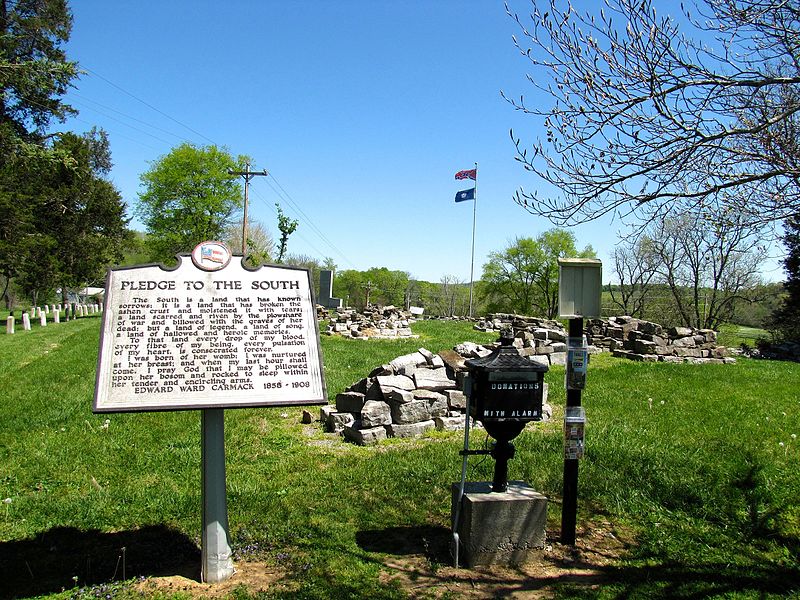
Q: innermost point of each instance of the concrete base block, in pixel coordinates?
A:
(499, 528)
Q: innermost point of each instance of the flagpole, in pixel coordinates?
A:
(472, 259)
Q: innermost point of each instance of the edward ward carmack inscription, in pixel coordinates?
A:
(188, 338)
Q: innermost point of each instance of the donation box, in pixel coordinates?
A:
(506, 387)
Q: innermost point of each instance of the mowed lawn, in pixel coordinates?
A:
(697, 465)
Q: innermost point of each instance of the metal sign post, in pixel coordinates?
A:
(216, 551)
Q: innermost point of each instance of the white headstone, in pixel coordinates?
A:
(10, 324)
(43, 319)
(47, 309)
(56, 316)
(26, 322)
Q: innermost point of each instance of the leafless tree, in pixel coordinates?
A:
(448, 297)
(695, 112)
(260, 245)
(635, 267)
(708, 267)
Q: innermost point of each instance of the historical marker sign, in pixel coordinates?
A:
(209, 333)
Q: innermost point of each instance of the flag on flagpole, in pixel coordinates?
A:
(465, 195)
(468, 174)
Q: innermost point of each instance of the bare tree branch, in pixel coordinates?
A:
(694, 111)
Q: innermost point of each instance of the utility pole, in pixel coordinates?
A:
(369, 287)
(247, 175)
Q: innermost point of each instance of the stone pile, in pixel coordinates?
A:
(385, 322)
(635, 339)
(504, 321)
(542, 340)
(411, 395)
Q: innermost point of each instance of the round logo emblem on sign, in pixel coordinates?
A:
(211, 256)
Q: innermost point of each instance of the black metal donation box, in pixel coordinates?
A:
(506, 386)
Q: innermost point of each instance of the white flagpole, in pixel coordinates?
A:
(472, 259)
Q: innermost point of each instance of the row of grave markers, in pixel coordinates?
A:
(70, 311)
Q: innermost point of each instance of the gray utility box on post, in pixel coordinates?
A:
(580, 284)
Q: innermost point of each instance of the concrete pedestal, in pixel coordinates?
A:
(499, 528)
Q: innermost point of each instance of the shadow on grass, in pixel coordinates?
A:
(52, 560)
(427, 540)
(686, 581)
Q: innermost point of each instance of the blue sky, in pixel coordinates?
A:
(362, 112)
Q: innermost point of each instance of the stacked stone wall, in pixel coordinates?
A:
(636, 339)
(542, 340)
(383, 322)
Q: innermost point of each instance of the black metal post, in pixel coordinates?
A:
(502, 452)
(569, 509)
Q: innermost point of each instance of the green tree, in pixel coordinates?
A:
(34, 75)
(377, 285)
(34, 72)
(78, 219)
(287, 227)
(347, 285)
(523, 278)
(189, 197)
(785, 321)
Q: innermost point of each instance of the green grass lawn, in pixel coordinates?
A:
(734, 336)
(697, 462)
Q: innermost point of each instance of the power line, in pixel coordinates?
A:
(132, 118)
(308, 220)
(107, 116)
(89, 123)
(298, 233)
(150, 106)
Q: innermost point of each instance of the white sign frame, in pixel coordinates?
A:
(206, 309)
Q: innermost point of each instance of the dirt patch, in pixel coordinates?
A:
(253, 576)
(418, 560)
(598, 547)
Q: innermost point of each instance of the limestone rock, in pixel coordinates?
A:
(350, 402)
(388, 383)
(399, 430)
(400, 396)
(375, 414)
(449, 423)
(339, 420)
(433, 379)
(365, 437)
(456, 399)
(410, 412)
